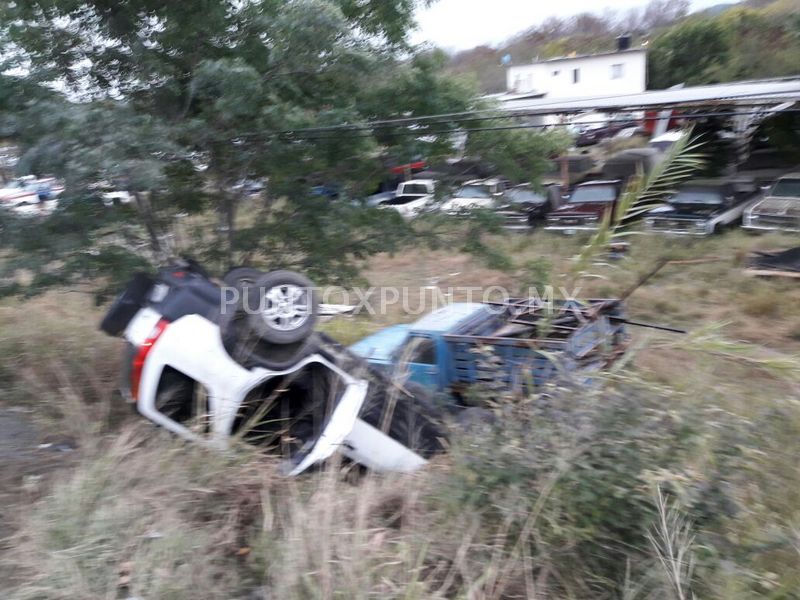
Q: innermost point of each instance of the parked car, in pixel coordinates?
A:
(586, 207)
(779, 210)
(412, 197)
(213, 363)
(446, 351)
(703, 207)
(478, 193)
(31, 196)
(594, 133)
(523, 207)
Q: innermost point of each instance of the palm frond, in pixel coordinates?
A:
(642, 194)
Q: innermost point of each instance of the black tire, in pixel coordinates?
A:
(293, 319)
(241, 276)
(245, 347)
(407, 415)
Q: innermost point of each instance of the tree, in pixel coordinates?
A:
(689, 53)
(182, 101)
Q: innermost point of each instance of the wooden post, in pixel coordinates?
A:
(564, 171)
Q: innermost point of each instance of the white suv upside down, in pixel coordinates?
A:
(211, 363)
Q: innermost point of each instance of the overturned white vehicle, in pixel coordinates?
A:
(211, 363)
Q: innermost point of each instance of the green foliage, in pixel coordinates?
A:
(184, 101)
(584, 463)
(689, 53)
(522, 155)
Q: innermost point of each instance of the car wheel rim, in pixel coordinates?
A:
(286, 307)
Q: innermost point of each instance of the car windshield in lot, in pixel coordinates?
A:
(697, 197)
(786, 188)
(594, 193)
(474, 191)
(524, 196)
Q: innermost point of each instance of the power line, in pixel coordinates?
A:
(467, 116)
(365, 131)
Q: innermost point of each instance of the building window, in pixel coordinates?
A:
(556, 73)
(617, 71)
(576, 75)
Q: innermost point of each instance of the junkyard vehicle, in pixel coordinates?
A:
(586, 207)
(506, 345)
(579, 167)
(211, 363)
(703, 207)
(29, 196)
(629, 163)
(779, 210)
(524, 208)
(475, 194)
(595, 133)
(412, 197)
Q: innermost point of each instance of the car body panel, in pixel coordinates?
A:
(723, 204)
(191, 345)
(412, 198)
(576, 215)
(461, 333)
(776, 212)
(475, 194)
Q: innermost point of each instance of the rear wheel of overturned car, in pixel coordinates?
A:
(281, 307)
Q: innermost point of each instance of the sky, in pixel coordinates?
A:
(464, 24)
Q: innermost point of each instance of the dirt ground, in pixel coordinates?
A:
(28, 460)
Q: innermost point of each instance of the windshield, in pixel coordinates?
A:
(525, 196)
(474, 191)
(594, 193)
(400, 200)
(786, 188)
(415, 188)
(697, 197)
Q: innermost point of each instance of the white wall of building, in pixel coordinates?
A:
(583, 76)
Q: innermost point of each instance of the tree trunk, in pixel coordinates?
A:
(146, 214)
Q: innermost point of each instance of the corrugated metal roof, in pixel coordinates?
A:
(747, 93)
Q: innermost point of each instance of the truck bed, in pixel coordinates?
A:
(518, 362)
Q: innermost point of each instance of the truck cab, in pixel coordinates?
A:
(412, 197)
(445, 351)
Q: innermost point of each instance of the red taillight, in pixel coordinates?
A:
(141, 356)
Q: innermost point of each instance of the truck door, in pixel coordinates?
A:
(423, 366)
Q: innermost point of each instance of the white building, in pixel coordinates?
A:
(596, 75)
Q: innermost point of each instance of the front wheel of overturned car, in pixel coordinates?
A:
(281, 307)
(408, 415)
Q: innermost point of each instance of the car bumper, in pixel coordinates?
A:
(680, 232)
(570, 229)
(764, 228)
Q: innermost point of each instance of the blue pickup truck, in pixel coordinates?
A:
(516, 343)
